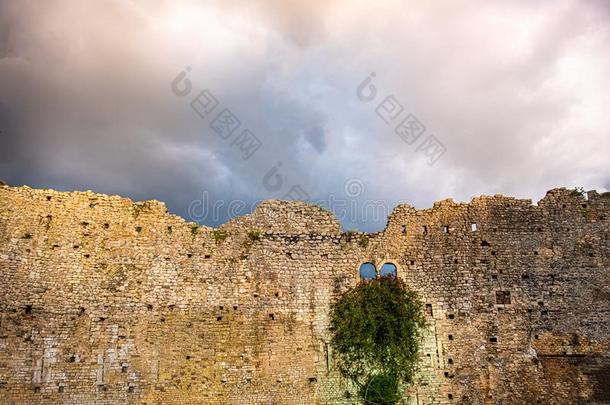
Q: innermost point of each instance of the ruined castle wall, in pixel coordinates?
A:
(520, 305)
(103, 300)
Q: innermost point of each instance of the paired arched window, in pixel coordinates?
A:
(368, 271)
(388, 269)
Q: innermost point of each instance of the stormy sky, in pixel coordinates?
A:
(212, 106)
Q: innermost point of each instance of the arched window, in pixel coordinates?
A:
(367, 271)
(388, 269)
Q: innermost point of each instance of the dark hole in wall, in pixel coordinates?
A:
(149, 307)
(450, 360)
(219, 318)
(130, 388)
(485, 243)
(48, 198)
(494, 276)
(525, 276)
(403, 229)
(124, 368)
(207, 256)
(450, 337)
(60, 388)
(235, 307)
(189, 255)
(28, 309)
(503, 297)
(106, 225)
(493, 339)
(138, 229)
(272, 316)
(451, 316)
(313, 380)
(72, 359)
(36, 389)
(429, 309)
(450, 396)
(425, 229)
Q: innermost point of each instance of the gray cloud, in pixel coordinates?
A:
(515, 90)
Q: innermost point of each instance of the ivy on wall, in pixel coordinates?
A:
(376, 333)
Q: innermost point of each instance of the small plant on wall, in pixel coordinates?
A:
(376, 333)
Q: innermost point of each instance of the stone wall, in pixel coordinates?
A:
(103, 300)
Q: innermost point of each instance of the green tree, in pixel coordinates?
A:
(376, 333)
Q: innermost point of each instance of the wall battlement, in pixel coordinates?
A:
(105, 300)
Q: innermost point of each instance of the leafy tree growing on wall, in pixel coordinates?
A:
(376, 333)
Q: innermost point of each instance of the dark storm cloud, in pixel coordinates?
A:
(515, 90)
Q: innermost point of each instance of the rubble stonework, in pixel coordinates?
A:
(103, 300)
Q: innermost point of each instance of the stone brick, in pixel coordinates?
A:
(103, 300)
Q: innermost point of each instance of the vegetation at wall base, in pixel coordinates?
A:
(376, 333)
